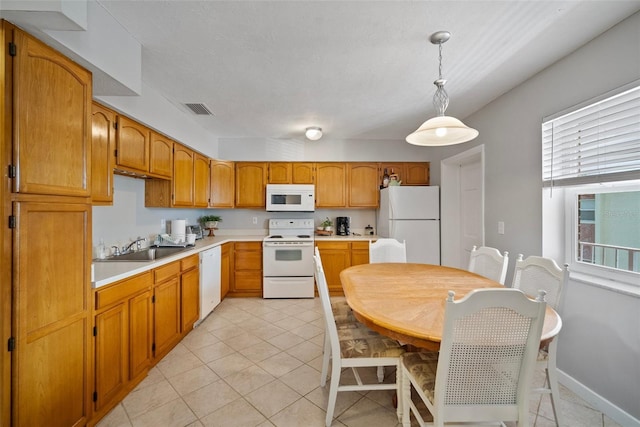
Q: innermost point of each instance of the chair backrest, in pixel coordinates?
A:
(489, 262)
(387, 250)
(487, 355)
(323, 291)
(535, 273)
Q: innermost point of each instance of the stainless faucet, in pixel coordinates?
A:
(137, 242)
(116, 251)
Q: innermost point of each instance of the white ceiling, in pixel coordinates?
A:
(358, 69)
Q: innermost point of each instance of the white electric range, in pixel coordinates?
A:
(287, 259)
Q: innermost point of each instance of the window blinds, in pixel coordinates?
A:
(596, 143)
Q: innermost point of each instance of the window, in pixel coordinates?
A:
(591, 154)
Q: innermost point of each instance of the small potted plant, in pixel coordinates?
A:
(327, 224)
(210, 221)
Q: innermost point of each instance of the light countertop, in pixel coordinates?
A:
(105, 273)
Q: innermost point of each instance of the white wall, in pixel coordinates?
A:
(599, 347)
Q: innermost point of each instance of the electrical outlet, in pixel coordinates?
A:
(500, 227)
(254, 220)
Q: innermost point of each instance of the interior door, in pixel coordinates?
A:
(470, 209)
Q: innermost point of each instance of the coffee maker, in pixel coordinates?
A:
(343, 225)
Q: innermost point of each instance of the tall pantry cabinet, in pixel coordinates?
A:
(46, 242)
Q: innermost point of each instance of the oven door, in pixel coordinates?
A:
(287, 259)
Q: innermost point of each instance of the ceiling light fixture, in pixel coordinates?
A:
(313, 133)
(441, 130)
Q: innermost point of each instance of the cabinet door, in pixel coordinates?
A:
(225, 269)
(201, 180)
(52, 119)
(336, 256)
(183, 162)
(302, 173)
(363, 185)
(359, 253)
(51, 273)
(140, 334)
(222, 184)
(190, 298)
(133, 145)
(161, 155)
(417, 173)
(112, 368)
(280, 173)
(166, 316)
(331, 180)
(103, 145)
(398, 168)
(251, 179)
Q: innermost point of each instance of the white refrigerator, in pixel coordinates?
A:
(412, 214)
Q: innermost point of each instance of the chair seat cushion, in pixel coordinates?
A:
(342, 313)
(356, 340)
(422, 367)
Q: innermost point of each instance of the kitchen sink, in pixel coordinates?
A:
(150, 254)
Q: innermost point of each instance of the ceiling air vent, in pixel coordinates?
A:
(200, 109)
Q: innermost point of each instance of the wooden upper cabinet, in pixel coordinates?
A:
(302, 173)
(103, 145)
(132, 145)
(183, 183)
(331, 180)
(160, 155)
(363, 188)
(251, 180)
(200, 180)
(222, 184)
(280, 173)
(417, 173)
(52, 119)
(399, 168)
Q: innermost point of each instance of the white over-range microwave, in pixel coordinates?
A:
(291, 197)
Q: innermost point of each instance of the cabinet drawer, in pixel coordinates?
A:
(189, 262)
(333, 245)
(122, 290)
(360, 245)
(248, 246)
(165, 272)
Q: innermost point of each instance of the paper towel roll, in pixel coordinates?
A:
(178, 228)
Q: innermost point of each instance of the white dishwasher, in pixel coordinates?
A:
(209, 280)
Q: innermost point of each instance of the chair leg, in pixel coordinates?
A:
(333, 392)
(405, 399)
(326, 354)
(380, 373)
(552, 379)
(399, 399)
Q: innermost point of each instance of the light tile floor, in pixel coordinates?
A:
(256, 362)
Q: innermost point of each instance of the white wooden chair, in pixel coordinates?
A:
(488, 262)
(387, 250)
(353, 345)
(483, 371)
(529, 276)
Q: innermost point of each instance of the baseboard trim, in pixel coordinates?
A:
(598, 402)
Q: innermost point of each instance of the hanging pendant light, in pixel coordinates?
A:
(441, 130)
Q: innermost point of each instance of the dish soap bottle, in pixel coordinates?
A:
(101, 250)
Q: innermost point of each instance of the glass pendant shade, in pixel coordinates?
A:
(442, 130)
(313, 133)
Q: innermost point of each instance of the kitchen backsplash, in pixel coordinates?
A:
(128, 218)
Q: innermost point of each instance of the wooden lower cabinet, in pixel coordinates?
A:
(123, 338)
(166, 309)
(247, 269)
(189, 293)
(225, 269)
(338, 255)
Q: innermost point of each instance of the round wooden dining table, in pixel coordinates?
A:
(407, 301)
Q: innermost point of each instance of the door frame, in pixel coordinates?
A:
(450, 203)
